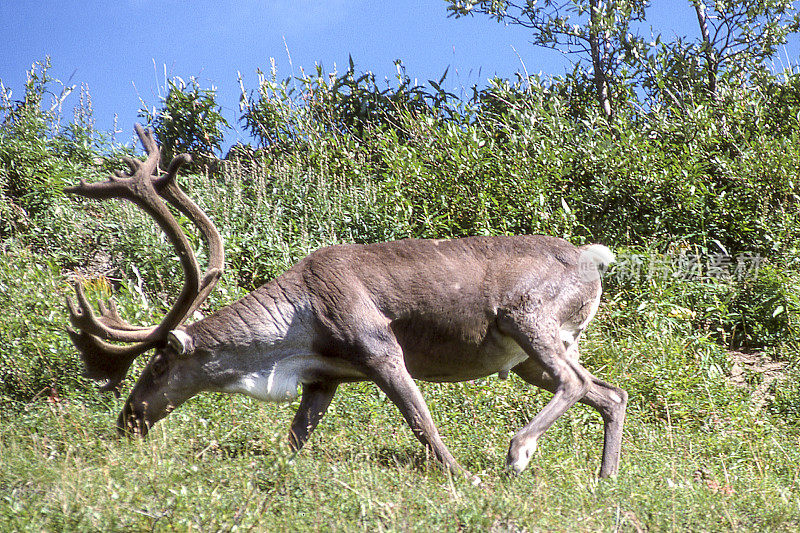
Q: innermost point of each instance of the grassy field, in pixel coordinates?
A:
(697, 456)
(711, 441)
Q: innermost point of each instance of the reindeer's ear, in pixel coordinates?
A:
(180, 341)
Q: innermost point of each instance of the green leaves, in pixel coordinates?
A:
(37, 154)
(189, 120)
(342, 158)
(322, 107)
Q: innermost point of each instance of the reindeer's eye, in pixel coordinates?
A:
(159, 365)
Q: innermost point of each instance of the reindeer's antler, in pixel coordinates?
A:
(144, 187)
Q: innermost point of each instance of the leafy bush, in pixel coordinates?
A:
(36, 357)
(741, 302)
(189, 120)
(31, 170)
(313, 109)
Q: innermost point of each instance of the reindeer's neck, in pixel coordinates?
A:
(260, 346)
(264, 318)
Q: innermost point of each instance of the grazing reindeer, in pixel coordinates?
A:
(436, 310)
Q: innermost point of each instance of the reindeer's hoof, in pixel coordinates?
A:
(519, 455)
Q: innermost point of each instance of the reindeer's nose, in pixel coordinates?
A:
(130, 423)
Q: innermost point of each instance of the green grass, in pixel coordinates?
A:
(222, 463)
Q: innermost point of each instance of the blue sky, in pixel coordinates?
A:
(121, 49)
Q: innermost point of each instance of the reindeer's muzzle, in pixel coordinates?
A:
(132, 423)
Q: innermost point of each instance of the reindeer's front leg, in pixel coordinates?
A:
(314, 402)
(394, 380)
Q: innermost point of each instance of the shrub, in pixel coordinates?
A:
(189, 120)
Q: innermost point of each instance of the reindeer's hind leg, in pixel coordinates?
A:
(606, 399)
(539, 338)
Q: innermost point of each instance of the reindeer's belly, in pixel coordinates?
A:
(461, 361)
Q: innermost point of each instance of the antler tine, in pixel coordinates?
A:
(102, 360)
(133, 164)
(110, 316)
(172, 193)
(109, 326)
(148, 142)
(174, 165)
(119, 184)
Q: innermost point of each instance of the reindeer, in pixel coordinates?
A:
(391, 312)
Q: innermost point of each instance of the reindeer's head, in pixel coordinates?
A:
(173, 375)
(170, 376)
